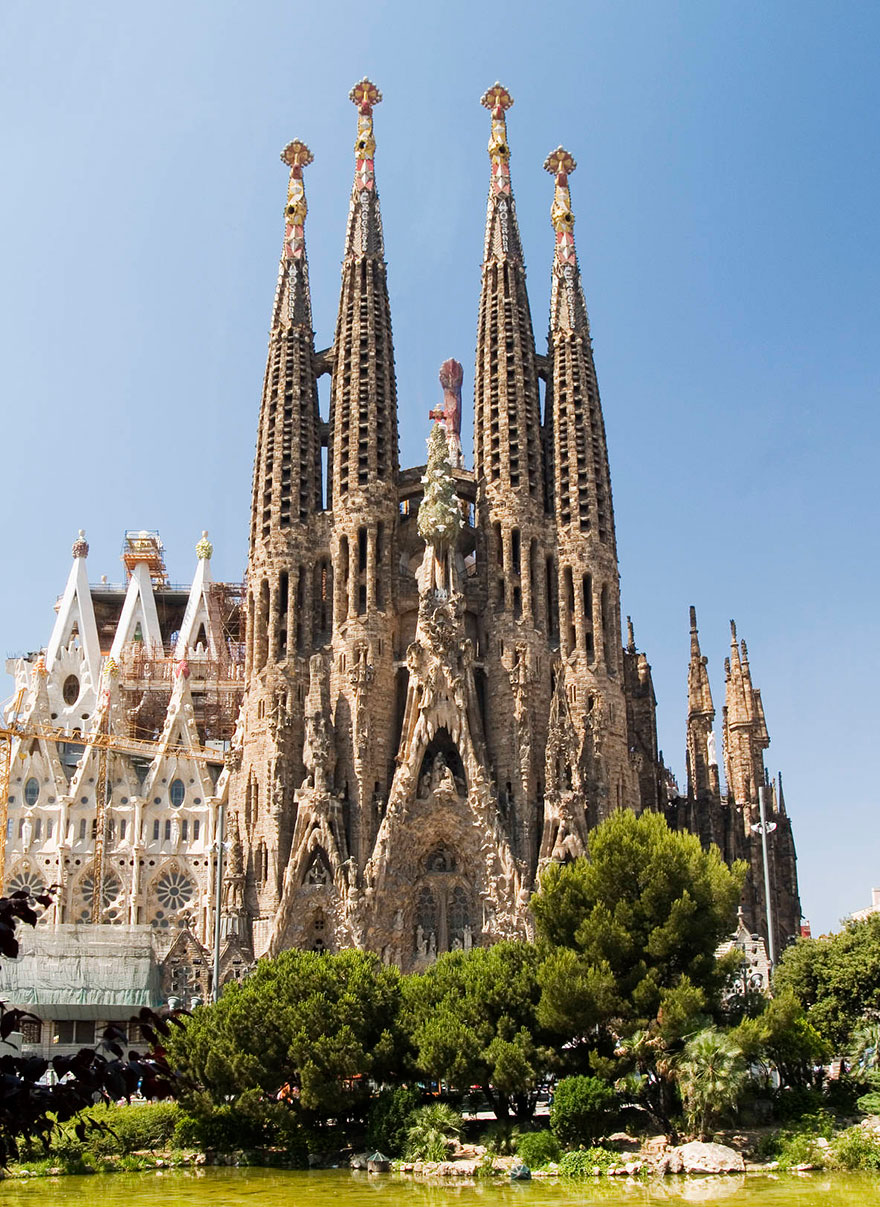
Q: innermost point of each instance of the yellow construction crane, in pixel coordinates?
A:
(105, 743)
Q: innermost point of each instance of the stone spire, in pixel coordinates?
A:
(582, 478)
(363, 403)
(702, 761)
(745, 729)
(699, 691)
(780, 795)
(287, 469)
(588, 583)
(507, 421)
(745, 740)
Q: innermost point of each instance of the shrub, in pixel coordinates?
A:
(800, 1148)
(869, 1104)
(855, 1148)
(807, 1145)
(225, 1128)
(252, 1122)
(536, 1149)
(793, 1103)
(389, 1119)
(582, 1109)
(128, 1129)
(501, 1138)
(581, 1162)
(431, 1130)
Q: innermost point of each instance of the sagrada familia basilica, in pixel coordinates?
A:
(421, 695)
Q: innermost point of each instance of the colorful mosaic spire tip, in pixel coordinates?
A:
(496, 98)
(560, 162)
(365, 95)
(297, 156)
(81, 545)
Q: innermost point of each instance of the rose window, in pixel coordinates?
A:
(111, 905)
(26, 881)
(174, 890)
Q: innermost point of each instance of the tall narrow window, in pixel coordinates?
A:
(608, 632)
(281, 624)
(569, 604)
(587, 588)
(552, 600)
(380, 554)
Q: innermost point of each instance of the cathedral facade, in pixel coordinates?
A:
(420, 695)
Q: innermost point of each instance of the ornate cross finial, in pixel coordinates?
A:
(498, 100)
(297, 156)
(561, 163)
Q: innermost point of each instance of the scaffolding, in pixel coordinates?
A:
(144, 547)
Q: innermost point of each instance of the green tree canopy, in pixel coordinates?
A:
(836, 979)
(471, 1017)
(635, 923)
(314, 1022)
(782, 1037)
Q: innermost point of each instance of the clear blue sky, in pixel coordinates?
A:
(726, 201)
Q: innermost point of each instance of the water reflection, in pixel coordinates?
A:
(273, 1188)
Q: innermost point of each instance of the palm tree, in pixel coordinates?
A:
(865, 1046)
(711, 1075)
(431, 1130)
(647, 1062)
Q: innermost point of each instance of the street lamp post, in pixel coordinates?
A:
(765, 827)
(218, 895)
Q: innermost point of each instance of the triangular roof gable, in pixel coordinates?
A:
(179, 730)
(201, 610)
(76, 609)
(139, 608)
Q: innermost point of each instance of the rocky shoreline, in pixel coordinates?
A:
(652, 1158)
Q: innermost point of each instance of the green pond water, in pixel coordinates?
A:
(337, 1188)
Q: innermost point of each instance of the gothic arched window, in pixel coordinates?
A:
(426, 912)
(458, 915)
